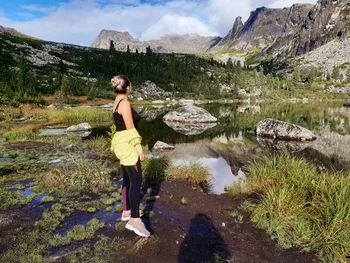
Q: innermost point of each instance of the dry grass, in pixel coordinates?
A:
(83, 99)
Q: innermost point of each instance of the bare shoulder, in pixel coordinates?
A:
(124, 105)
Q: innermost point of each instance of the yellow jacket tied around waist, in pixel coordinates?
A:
(126, 145)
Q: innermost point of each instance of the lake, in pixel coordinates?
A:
(225, 148)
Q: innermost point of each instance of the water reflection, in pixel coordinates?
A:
(279, 146)
(221, 174)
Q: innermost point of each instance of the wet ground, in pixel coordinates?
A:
(200, 230)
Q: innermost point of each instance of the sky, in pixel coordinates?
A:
(80, 21)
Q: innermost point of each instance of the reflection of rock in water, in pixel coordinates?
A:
(162, 146)
(151, 114)
(189, 151)
(333, 144)
(277, 146)
(320, 160)
(188, 128)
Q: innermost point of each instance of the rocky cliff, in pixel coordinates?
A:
(120, 39)
(189, 43)
(327, 20)
(264, 26)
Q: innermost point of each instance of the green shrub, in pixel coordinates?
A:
(20, 136)
(154, 169)
(194, 172)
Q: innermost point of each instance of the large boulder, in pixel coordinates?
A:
(190, 128)
(189, 114)
(276, 129)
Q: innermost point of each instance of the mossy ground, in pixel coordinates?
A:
(75, 183)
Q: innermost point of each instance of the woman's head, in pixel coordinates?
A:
(120, 84)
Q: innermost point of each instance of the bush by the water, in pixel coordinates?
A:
(300, 207)
(193, 172)
(154, 169)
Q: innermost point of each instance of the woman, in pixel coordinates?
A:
(126, 144)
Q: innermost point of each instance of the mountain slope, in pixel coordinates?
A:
(189, 43)
(263, 27)
(13, 32)
(327, 20)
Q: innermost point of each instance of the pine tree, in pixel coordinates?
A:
(111, 47)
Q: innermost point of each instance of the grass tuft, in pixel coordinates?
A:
(194, 172)
(301, 207)
(154, 169)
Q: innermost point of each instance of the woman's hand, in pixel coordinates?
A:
(142, 157)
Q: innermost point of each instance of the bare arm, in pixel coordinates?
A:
(125, 110)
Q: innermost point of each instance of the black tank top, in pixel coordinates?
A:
(118, 119)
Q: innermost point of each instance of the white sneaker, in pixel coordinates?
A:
(138, 227)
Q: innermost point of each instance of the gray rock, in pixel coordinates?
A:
(162, 146)
(190, 114)
(276, 129)
(190, 128)
(80, 127)
(150, 114)
(149, 88)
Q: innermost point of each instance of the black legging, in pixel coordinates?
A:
(132, 180)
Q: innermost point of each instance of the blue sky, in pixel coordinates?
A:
(80, 21)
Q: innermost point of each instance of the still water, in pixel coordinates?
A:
(228, 146)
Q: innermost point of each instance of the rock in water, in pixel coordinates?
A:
(80, 127)
(162, 146)
(189, 114)
(190, 128)
(276, 129)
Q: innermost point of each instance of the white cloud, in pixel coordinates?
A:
(80, 21)
(222, 13)
(38, 8)
(288, 3)
(172, 24)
